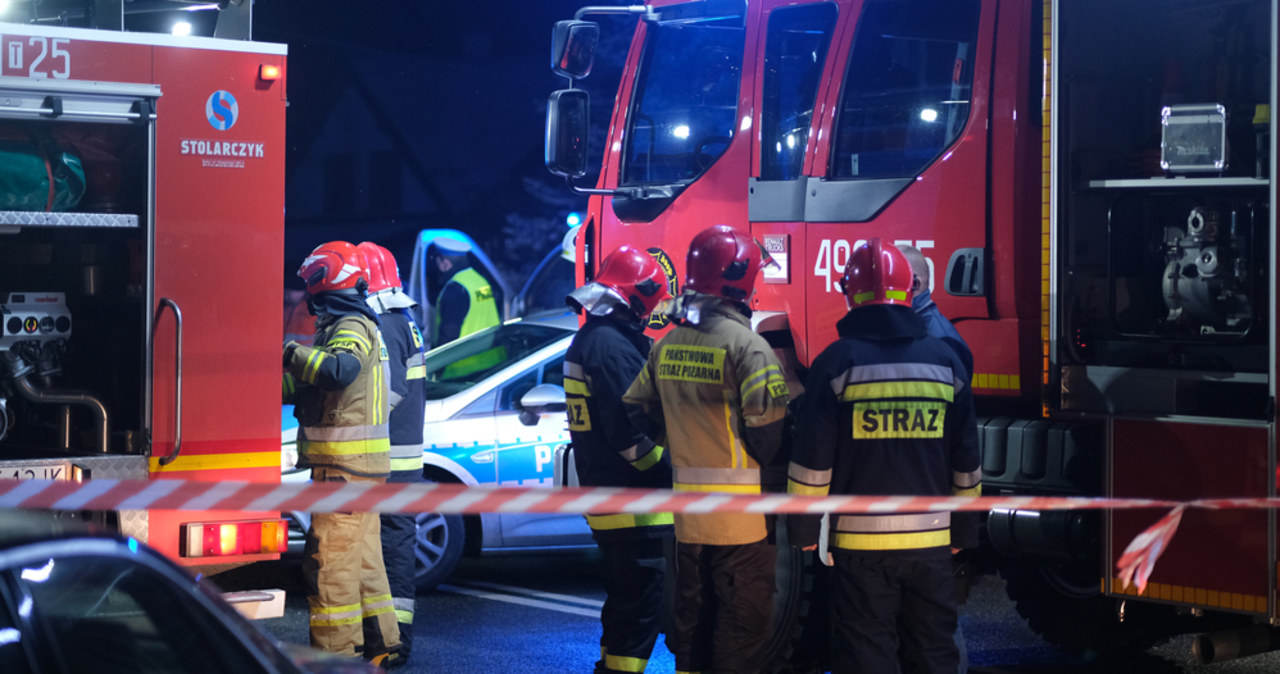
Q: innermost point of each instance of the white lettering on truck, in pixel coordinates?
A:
(833, 255)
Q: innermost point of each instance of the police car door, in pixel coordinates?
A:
(526, 459)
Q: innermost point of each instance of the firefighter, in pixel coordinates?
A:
(718, 390)
(605, 356)
(405, 349)
(887, 410)
(339, 390)
(465, 303)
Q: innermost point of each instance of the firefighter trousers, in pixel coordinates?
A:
(346, 581)
(634, 572)
(724, 607)
(399, 555)
(879, 597)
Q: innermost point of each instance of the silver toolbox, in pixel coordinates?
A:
(1193, 138)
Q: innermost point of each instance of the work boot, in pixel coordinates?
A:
(387, 661)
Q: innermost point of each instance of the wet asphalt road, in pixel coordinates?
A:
(540, 614)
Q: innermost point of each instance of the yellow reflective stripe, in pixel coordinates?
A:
(577, 387)
(416, 372)
(900, 295)
(330, 616)
(312, 366)
(859, 298)
(899, 389)
(414, 463)
(649, 460)
(908, 541)
(351, 337)
(751, 384)
(971, 491)
(317, 621)
(404, 617)
(622, 663)
(726, 488)
(376, 605)
(344, 447)
(216, 461)
(629, 521)
(379, 406)
(802, 489)
(287, 387)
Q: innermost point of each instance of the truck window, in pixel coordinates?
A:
(907, 88)
(685, 101)
(795, 49)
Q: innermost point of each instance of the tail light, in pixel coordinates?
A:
(223, 539)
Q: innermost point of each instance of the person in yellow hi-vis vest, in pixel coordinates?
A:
(340, 394)
(465, 303)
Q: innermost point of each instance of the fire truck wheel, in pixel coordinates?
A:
(438, 548)
(1086, 623)
(798, 642)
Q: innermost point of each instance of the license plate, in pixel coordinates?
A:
(51, 470)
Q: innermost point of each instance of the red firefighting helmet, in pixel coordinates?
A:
(384, 273)
(876, 274)
(636, 276)
(334, 266)
(722, 262)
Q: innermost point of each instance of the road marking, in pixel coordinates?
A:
(538, 594)
(527, 600)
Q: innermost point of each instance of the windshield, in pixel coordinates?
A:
(685, 104)
(907, 89)
(461, 364)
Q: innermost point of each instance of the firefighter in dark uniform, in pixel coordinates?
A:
(718, 390)
(605, 356)
(339, 390)
(407, 386)
(887, 410)
(465, 303)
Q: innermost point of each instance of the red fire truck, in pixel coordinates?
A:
(1092, 182)
(141, 235)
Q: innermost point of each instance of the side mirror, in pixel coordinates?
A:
(566, 151)
(541, 399)
(573, 48)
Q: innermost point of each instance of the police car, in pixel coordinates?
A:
(494, 416)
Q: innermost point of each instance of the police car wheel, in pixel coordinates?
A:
(438, 547)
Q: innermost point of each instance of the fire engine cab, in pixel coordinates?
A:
(141, 234)
(1092, 183)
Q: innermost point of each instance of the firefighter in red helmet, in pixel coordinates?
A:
(608, 451)
(717, 389)
(407, 384)
(339, 391)
(887, 410)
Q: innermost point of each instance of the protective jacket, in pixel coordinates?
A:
(339, 391)
(465, 305)
(407, 371)
(718, 390)
(887, 410)
(937, 325)
(608, 451)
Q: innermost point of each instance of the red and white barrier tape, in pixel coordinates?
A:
(103, 494)
(1135, 564)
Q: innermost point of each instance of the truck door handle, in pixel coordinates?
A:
(177, 369)
(966, 273)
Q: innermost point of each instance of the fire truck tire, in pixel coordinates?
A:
(438, 547)
(798, 643)
(1087, 625)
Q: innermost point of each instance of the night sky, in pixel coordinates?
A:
(457, 93)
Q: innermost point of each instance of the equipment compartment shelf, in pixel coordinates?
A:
(1148, 183)
(67, 219)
